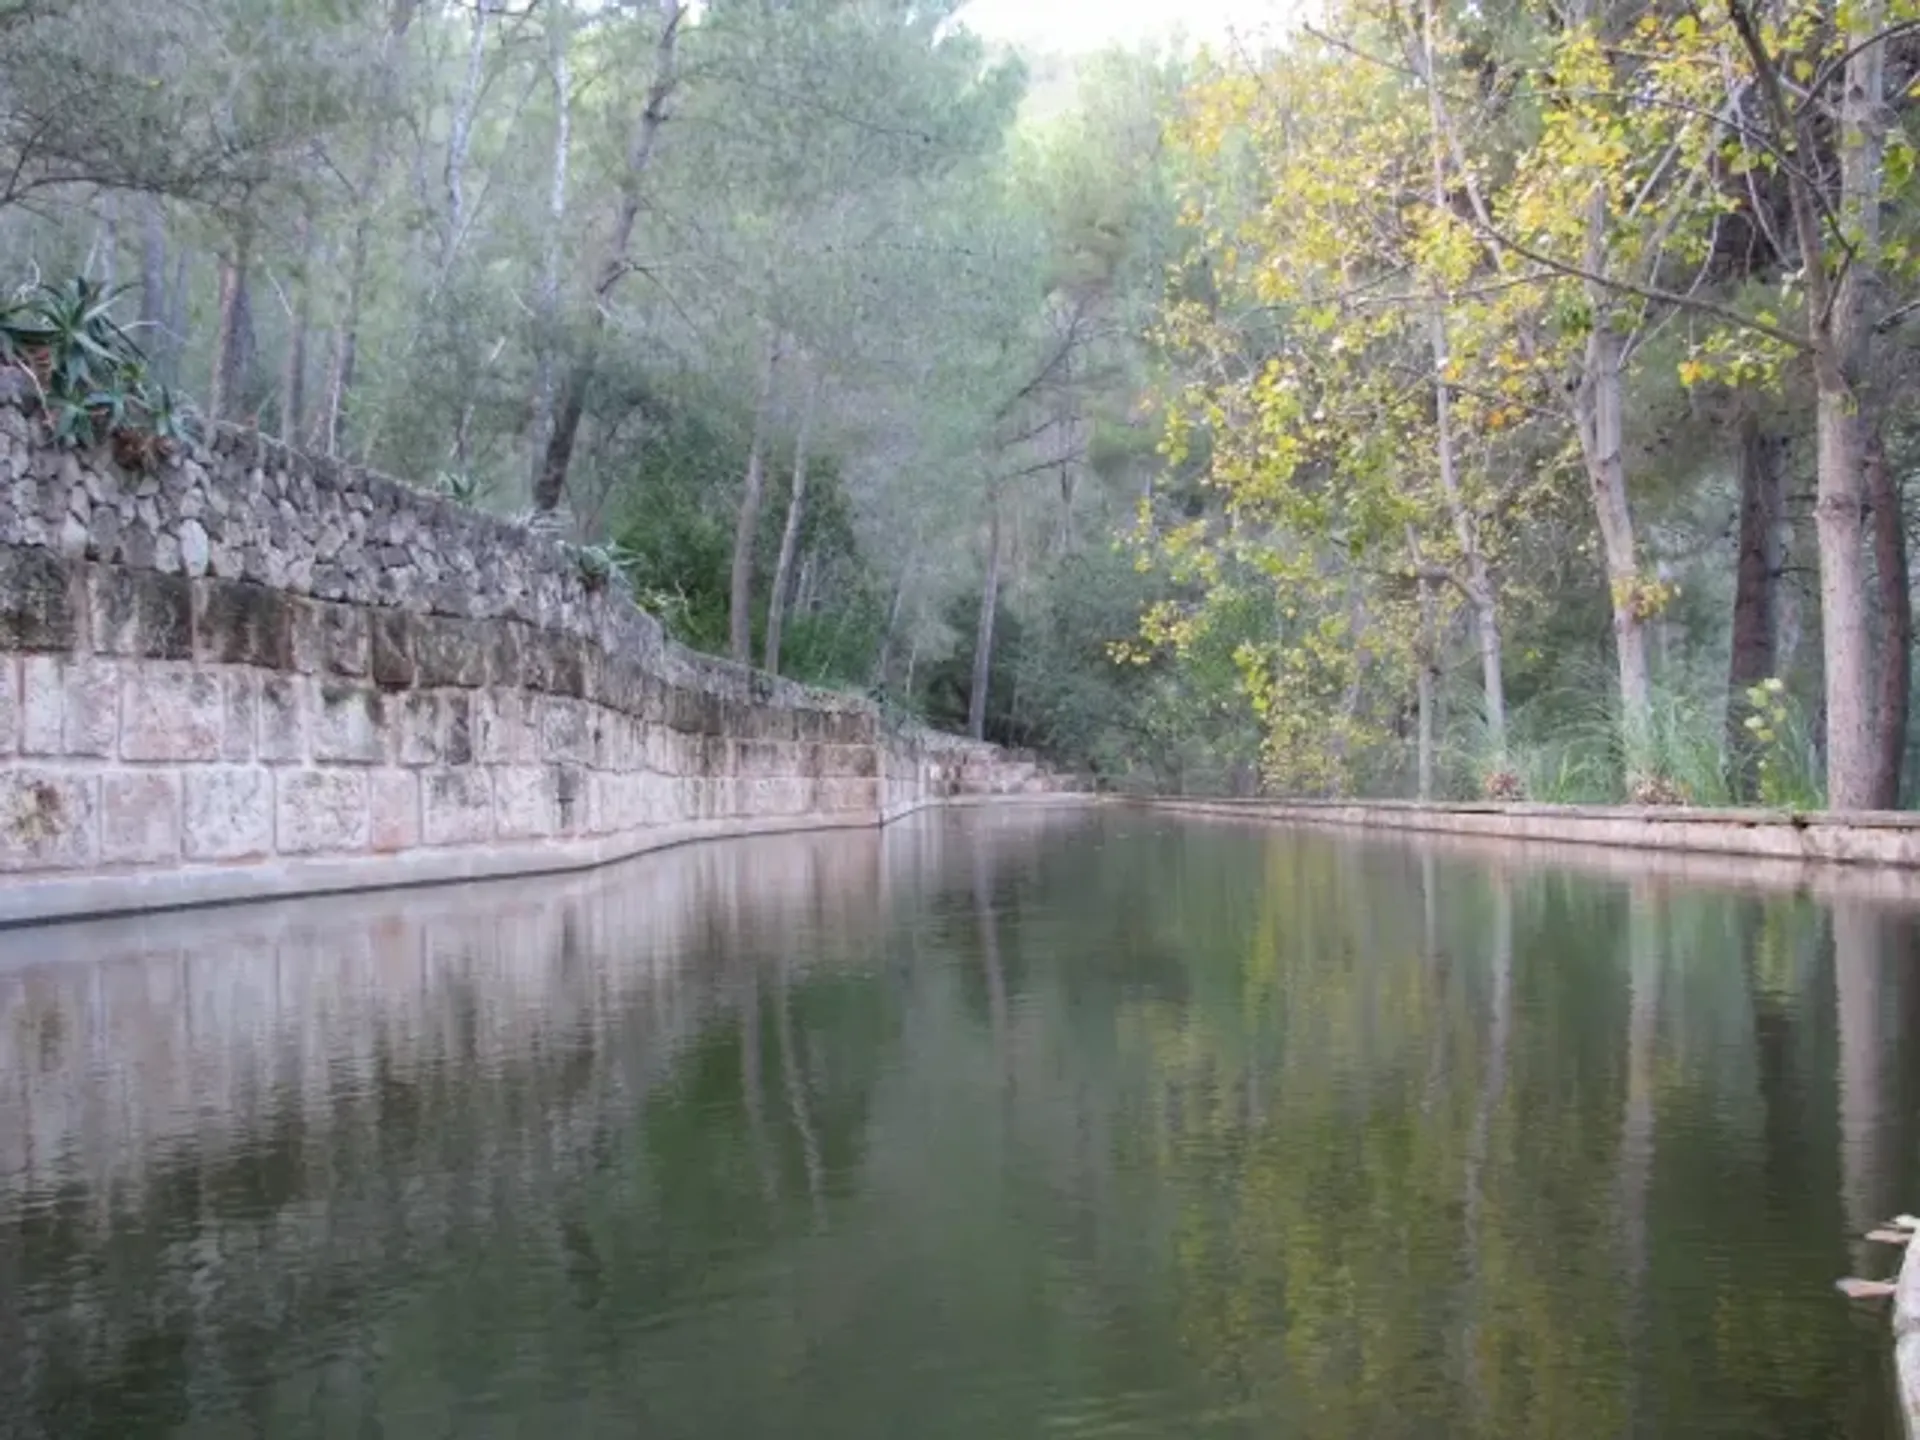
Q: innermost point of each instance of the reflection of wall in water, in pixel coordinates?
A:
(121, 1038)
(281, 1106)
(204, 1026)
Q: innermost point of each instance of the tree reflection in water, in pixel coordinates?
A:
(1012, 1123)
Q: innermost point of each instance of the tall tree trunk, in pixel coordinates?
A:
(1481, 592)
(460, 138)
(550, 478)
(746, 526)
(1427, 661)
(983, 627)
(883, 656)
(1846, 631)
(1891, 579)
(1596, 411)
(332, 421)
(1844, 423)
(1597, 417)
(1755, 592)
(176, 324)
(547, 311)
(107, 242)
(293, 372)
(789, 536)
(805, 592)
(1069, 446)
(330, 424)
(153, 286)
(1844, 415)
(233, 333)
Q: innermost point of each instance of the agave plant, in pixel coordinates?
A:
(168, 418)
(67, 339)
(599, 564)
(461, 487)
(90, 376)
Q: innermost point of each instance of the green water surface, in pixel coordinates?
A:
(1006, 1124)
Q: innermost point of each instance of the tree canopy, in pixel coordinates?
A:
(1443, 400)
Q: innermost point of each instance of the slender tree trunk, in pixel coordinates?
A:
(330, 425)
(1481, 592)
(1480, 587)
(1889, 522)
(233, 333)
(460, 137)
(789, 536)
(883, 656)
(1063, 535)
(153, 284)
(176, 324)
(550, 478)
(1070, 444)
(1429, 675)
(1756, 583)
(983, 628)
(559, 68)
(1597, 417)
(805, 590)
(293, 373)
(746, 525)
(107, 243)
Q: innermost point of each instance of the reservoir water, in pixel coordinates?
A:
(1029, 1122)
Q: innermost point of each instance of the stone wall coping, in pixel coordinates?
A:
(1651, 814)
(1875, 839)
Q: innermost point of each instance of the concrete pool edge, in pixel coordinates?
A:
(59, 899)
(1880, 839)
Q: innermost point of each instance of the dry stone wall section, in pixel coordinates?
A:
(255, 659)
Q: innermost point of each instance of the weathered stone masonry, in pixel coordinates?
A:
(256, 659)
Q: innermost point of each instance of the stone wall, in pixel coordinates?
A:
(257, 673)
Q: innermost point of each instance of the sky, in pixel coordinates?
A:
(1074, 26)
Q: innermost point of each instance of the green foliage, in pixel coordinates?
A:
(1787, 763)
(604, 564)
(1565, 746)
(1208, 307)
(88, 375)
(463, 487)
